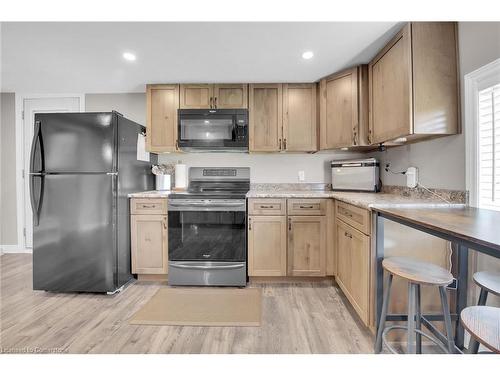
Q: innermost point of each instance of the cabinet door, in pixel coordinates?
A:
(149, 244)
(265, 112)
(306, 246)
(267, 246)
(161, 123)
(339, 110)
(353, 249)
(390, 86)
(231, 96)
(299, 117)
(196, 96)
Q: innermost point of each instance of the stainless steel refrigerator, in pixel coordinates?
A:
(82, 167)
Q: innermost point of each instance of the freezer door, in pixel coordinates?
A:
(74, 241)
(74, 142)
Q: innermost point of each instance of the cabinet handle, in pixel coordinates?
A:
(354, 134)
(215, 102)
(347, 234)
(306, 207)
(284, 144)
(177, 144)
(346, 213)
(369, 136)
(289, 224)
(211, 102)
(164, 223)
(280, 143)
(148, 206)
(263, 207)
(249, 224)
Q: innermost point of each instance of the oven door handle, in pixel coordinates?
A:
(227, 204)
(228, 267)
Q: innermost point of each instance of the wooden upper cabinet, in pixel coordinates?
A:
(161, 123)
(265, 113)
(196, 96)
(231, 96)
(344, 109)
(413, 84)
(206, 96)
(299, 117)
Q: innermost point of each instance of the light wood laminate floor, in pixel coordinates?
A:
(297, 318)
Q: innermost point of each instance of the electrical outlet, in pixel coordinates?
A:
(412, 177)
(302, 176)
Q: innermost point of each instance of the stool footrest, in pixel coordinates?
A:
(392, 350)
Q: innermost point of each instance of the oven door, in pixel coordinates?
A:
(206, 130)
(207, 230)
(207, 242)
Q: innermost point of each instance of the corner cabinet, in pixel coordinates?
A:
(149, 237)
(413, 84)
(162, 103)
(344, 109)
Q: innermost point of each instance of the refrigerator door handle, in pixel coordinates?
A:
(37, 138)
(35, 207)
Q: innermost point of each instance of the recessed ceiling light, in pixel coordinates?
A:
(307, 55)
(129, 56)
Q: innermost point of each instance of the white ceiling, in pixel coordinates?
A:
(87, 57)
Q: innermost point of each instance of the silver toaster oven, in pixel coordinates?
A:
(356, 175)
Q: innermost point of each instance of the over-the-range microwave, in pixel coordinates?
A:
(213, 130)
(356, 175)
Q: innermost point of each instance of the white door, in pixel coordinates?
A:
(30, 107)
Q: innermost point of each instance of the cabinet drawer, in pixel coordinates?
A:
(148, 206)
(307, 207)
(359, 218)
(267, 206)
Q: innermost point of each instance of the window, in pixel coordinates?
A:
(489, 147)
(482, 136)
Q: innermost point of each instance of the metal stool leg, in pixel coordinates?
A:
(447, 319)
(473, 344)
(383, 315)
(418, 319)
(410, 348)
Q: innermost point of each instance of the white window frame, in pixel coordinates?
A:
(474, 82)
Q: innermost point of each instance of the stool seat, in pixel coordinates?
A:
(417, 271)
(489, 281)
(483, 323)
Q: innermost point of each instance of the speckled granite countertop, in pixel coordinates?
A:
(364, 200)
(151, 194)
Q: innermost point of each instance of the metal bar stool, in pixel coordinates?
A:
(417, 273)
(489, 282)
(483, 324)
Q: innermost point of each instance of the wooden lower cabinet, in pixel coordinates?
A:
(267, 246)
(149, 244)
(307, 246)
(353, 267)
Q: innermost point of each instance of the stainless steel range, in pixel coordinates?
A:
(207, 228)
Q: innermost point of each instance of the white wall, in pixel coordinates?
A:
(8, 214)
(441, 162)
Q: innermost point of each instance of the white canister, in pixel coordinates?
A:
(162, 182)
(181, 176)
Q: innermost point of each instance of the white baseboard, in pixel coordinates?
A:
(13, 249)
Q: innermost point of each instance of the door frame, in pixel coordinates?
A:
(20, 162)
